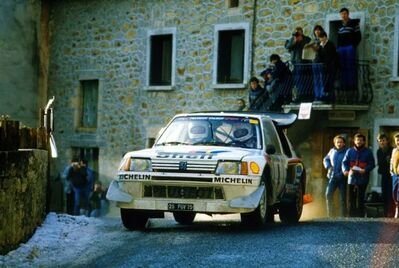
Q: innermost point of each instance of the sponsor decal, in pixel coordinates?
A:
(131, 177)
(232, 180)
(190, 155)
(184, 155)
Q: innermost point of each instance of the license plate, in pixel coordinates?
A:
(180, 207)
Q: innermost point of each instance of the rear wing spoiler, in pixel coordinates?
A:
(283, 120)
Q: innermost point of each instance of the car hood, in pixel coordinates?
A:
(195, 152)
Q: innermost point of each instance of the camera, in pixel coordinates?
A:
(296, 34)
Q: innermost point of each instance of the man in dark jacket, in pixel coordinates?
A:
(77, 176)
(324, 79)
(257, 95)
(357, 164)
(349, 37)
(302, 72)
(384, 153)
(281, 84)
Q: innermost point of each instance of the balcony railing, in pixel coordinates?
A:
(316, 83)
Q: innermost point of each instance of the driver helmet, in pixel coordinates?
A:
(198, 130)
(242, 132)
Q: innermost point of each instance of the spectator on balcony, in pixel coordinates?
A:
(357, 164)
(267, 78)
(257, 95)
(325, 68)
(302, 69)
(384, 153)
(310, 49)
(281, 84)
(349, 37)
(317, 30)
(310, 52)
(240, 104)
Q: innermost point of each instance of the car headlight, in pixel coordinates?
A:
(136, 164)
(229, 168)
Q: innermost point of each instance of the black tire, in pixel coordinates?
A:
(290, 212)
(134, 219)
(259, 216)
(185, 218)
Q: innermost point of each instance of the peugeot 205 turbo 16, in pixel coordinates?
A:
(213, 163)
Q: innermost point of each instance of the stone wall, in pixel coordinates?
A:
(106, 40)
(23, 190)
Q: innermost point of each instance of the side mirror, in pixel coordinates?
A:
(270, 149)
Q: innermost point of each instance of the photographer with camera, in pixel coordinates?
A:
(302, 69)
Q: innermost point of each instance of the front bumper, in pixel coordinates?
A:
(246, 202)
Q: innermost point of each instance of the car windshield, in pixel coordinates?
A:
(216, 131)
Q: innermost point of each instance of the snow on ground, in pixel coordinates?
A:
(63, 240)
(60, 239)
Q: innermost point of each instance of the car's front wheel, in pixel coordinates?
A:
(134, 219)
(259, 216)
(290, 212)
(185, 218)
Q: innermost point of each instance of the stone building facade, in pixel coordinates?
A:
(106, 46)
(23, 69)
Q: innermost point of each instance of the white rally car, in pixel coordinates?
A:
(213, 163)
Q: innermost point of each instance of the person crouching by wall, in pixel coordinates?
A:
(98, 202)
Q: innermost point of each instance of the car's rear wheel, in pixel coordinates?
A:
(290, 212)
(259, 216)
(134, 219)
(185, 218)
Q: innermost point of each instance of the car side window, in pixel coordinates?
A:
(270, 135)
(284, 142)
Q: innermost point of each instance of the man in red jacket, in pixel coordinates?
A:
(357, 164)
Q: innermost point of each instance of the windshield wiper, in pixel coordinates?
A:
(173, 143)
(215, 143)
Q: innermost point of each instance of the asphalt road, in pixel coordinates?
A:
(222, 242)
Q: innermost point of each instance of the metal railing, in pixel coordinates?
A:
(345, 85)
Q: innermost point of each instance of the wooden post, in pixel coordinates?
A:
(25, 138)
(9, 134)
(42, 138)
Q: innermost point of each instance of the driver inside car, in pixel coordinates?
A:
(237, 133)
(243, 134)
(198, 132)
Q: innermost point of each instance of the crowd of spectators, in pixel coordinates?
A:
(317, 71)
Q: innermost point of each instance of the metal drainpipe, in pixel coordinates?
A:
(253, 36)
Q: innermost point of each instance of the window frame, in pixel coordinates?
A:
(270, 131)
(232, 27)
(81, 127)
(154, 32)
